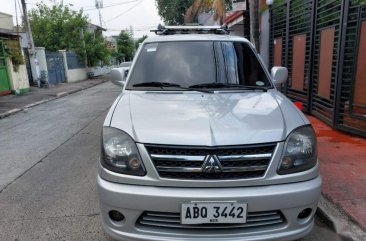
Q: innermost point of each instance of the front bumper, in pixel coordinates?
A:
(133, 200)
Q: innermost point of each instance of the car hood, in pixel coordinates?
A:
(205, 119)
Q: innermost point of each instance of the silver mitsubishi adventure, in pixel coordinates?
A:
(201, 146)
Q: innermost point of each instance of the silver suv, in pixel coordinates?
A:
(200, 145)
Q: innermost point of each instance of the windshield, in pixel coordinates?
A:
(197, 64)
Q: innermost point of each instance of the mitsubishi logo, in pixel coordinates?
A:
(211, 164)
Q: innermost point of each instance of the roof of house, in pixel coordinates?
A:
(7, 14)
(96, 26)
(8, 32)
(232, 17)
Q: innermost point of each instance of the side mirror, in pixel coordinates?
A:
(117, 77)
(279, 75)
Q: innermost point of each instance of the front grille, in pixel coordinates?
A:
(239, 162)
(255, 220)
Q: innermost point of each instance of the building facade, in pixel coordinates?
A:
(13, 70)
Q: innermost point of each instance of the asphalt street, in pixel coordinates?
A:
(48, 166)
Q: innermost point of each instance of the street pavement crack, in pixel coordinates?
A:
(87, 133)
(52, 151)
(46, 218)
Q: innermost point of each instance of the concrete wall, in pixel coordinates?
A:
(18, 80)
(41, 54)
(82, 74)
(24, 42)
(237, 30)
(76, 75)
(42, 63)
(100, 70)
(6, 21)
(71, 75)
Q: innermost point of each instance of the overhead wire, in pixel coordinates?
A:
(121, 14)
(105, 21)
(137, 30)
(91, 8)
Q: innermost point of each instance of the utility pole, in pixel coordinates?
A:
(99, 5)
(246, 21)
(254, 22)
(31, 48)
(16, 17)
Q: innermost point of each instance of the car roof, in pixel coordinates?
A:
(195, 37)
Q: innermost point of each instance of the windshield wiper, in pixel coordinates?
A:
(215, 85)
(167, 84)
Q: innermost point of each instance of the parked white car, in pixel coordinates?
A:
(200, 145)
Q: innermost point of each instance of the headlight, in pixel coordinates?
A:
(120, 154)
(300, 151)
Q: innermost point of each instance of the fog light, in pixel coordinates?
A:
(304, 214)
(116, 216)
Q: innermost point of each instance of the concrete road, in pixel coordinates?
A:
(48, 165)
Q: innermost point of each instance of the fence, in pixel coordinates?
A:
(73, 61)
(322, 42)
(55, 67)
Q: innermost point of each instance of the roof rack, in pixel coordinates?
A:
(169, 30)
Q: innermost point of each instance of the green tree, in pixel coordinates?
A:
(172, 11)
(178, 12)
(125, 45)
(95, 49)
(59, 27)
(139, 41)
(217, 7)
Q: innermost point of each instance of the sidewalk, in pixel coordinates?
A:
(342, 160)
(10, 104)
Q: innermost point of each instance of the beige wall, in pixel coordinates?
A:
(18, 80)
(76, 75)
(6, 21)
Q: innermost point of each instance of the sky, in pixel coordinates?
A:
(117, 15)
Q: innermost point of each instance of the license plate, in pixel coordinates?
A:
(213, 212)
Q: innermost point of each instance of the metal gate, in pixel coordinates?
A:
(351, 101)
(27, 64)
(323, 44)
(327, 49)
(55, 67)
(292, 28)
(278, 34)
(4, 79)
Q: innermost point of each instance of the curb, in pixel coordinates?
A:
(38, 103)
(10, 112)
(346, 228)
(57, 96)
